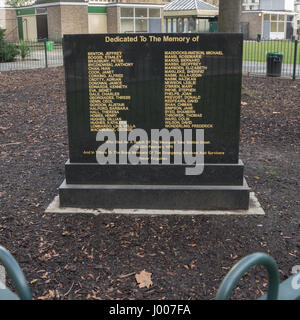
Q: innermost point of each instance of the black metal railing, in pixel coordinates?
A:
(30, 55)
(255, 57)
(43, 54)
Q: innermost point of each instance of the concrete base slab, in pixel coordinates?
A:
(254, 209)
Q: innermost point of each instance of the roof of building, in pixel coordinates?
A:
(181, 5)
(54, 1)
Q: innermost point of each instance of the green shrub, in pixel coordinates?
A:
(24, 49)
(2, 33)
(8, 51)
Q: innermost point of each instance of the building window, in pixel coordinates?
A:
(274, 17)
(280, 26)
(41, 10)
(192, 25)
(186, 25)
(141, 25)
(141, 12)
(180, 25)
(277, 22)
(134, 20)
(127, 25)
(273, 27)
(174, 25)
(169, 25)
(203, 25)
(154, 13)
(126, 12)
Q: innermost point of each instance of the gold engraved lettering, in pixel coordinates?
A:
(105, 99)
(182, 69)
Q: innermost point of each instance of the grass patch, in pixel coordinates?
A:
(257, 51)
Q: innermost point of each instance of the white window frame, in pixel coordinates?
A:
(139, 18)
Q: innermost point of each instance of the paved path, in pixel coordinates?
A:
(260, 68)
(2, 277)
(36, 59)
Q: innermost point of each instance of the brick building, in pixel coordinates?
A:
(275, 19)
(53, 19)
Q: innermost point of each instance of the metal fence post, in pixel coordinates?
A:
(46, 57)
(295, 60)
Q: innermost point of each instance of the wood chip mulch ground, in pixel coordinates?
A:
(99, 257)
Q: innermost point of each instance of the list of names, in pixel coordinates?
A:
(105, 90)
(182, 69)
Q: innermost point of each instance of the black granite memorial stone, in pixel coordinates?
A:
(154, 81)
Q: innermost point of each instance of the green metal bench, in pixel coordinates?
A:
(16, 274)
(287, 290)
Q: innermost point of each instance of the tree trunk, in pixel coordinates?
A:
(229, 16)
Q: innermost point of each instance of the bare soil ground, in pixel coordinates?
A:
(89, 257)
